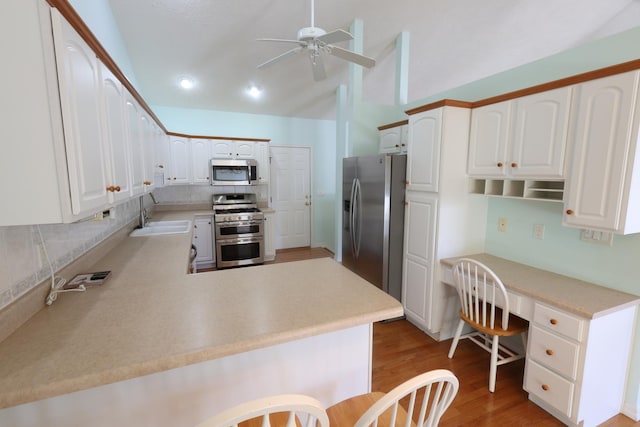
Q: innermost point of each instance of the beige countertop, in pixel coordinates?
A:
(152, 316)
(582, 298)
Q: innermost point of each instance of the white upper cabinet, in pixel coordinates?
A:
(539, 134)
(423, 165)
(394, 139)
(234, 149)
(488, 139)
(134, 140)
(264, 163)
(115, 136)
(148, 150)
(522, 138)
(79, 83)
(201, 154)
(603, 186)
(180, 160)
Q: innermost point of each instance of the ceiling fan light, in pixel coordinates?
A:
(254, 91)
(185, 82)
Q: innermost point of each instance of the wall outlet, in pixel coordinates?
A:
(538, 231)
(502, 225)
(594, 236)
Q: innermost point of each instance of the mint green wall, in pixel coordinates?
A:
(97, 14)
(320, 135)
(562, 251)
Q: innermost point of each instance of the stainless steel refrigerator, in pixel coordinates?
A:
(373, 218)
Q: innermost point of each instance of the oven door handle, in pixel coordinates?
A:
(237, 223)
(240, 240)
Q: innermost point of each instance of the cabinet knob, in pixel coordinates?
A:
(111, 188)
(406, 183)
(397, 146)
(514, 165)
(161, 166)
(545, 387)
(118, 188)
(500, 164)
(569, 211)
(549, 352)
(553, 321)
(406, 203)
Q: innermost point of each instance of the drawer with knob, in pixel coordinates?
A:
(559, 321)
(549, 387)
(554, 352)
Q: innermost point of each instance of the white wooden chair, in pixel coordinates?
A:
(296, 409)
(485, 307)
(434, 390)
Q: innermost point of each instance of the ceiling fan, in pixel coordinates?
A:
(316, 41)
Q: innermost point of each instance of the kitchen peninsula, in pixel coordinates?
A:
(157, 346)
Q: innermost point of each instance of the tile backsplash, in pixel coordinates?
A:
(203, 193)
(23, 263)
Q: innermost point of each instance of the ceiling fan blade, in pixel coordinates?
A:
(317, 67)
(335, 37)
(279, 41)
(280, 57)
(356, 58)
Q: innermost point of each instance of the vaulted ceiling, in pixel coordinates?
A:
(452, 43)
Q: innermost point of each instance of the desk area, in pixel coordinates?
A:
(580, 337)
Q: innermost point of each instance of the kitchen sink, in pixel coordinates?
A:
(156, 228)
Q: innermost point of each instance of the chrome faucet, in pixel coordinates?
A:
(143, 213)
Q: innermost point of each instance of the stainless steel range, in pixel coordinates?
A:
(239, 228)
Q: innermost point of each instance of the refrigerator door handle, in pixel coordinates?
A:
(351, 217)
(357, 231)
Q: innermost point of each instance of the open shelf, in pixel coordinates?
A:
(552, 191)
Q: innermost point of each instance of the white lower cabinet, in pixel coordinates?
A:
(269, 238)
(576, 367)
(203, 241)
(418, 260)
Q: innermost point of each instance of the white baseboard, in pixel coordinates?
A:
(631, 411)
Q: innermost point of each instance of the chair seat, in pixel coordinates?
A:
(516, 325)
(347, 412)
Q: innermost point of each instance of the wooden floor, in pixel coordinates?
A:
(401, 351)
(299, 254)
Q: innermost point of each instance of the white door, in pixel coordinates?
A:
(201, 160)
(291, 196)
(488, 139)
(423, 166)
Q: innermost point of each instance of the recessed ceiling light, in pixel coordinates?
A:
(185, 82)
(254, 91)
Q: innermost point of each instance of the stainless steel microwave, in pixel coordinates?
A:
(234, 172)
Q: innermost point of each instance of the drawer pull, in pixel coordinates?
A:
(553, 321)
(545, 387)
(549, 352)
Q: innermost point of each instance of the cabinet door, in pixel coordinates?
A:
(203, 241)
(390, 140)
(115, 136)
(79, 82)
(264, 163)
(148, 152)
(180, 161)
(163, 158)
(244, 149)
(603, 128)
(269, 238)
(134, 140)
(488, 140)
(201, 160)
(423, 168)
(223, 149)
(418, 259)
(539, 135)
